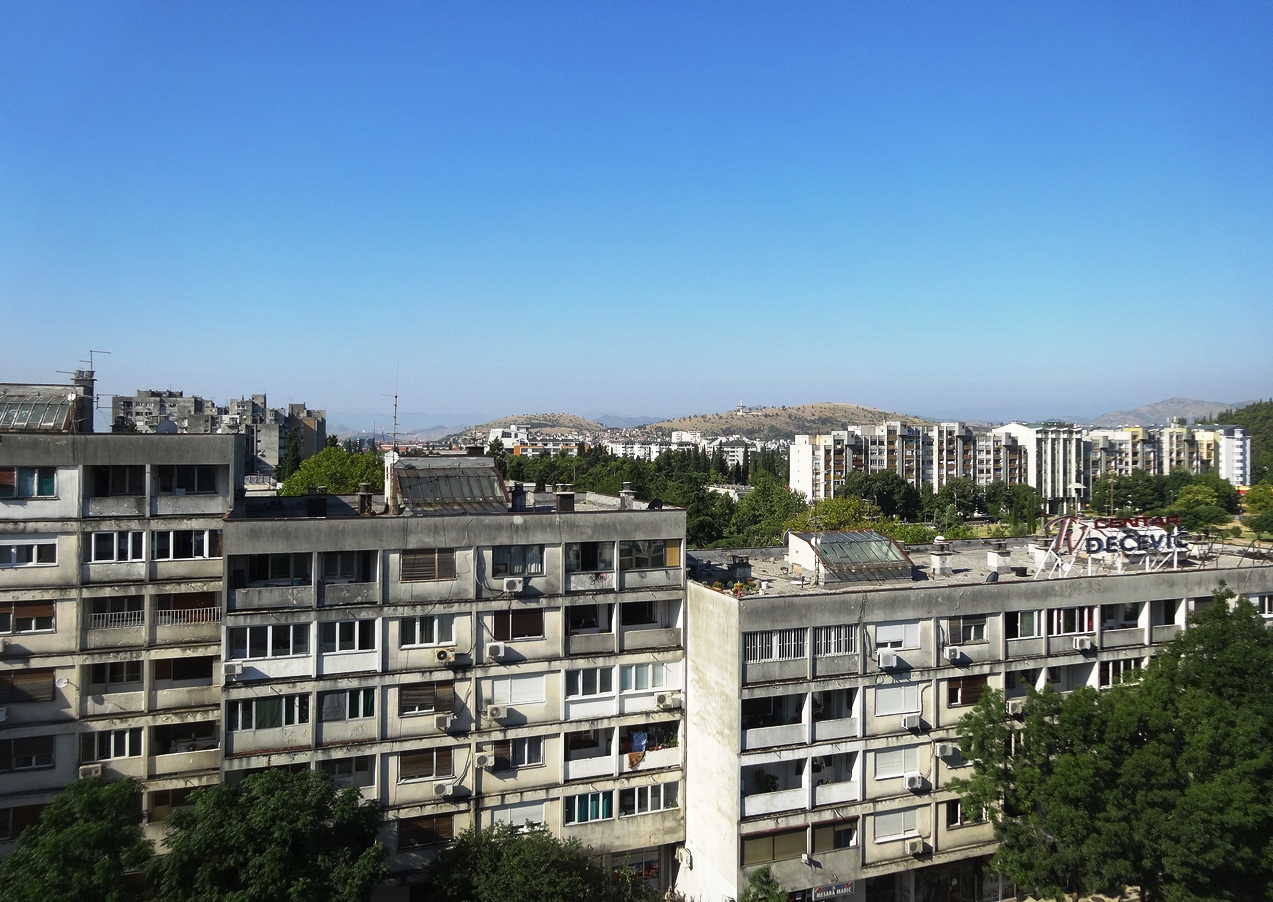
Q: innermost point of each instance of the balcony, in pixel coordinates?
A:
(767, 737)
(198, 759)
(301, 596)
(636, 639)
(834, 793)
(590, 643)
(596, 581)
(119, 620)
(186, 696)
(1166, 632)
(188, 616)
(351, 593)
(843, 728)
(1121, 638)
(118, 506)
(651, 579)
(767, 671)
(192, 505)
(667, 757)
(774, 802)
(600, 766)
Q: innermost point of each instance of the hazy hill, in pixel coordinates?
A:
(542, 422)
(1161, 412)
(783, 422)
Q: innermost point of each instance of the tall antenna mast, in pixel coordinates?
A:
(395, 422)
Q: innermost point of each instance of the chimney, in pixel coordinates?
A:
(565, 498)
(518, 497)
(940, 556)
(85, 381)
(364, 499)
(627, 497)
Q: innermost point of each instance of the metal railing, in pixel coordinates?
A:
(186, 616)
(116, 621)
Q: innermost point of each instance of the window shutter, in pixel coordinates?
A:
(446, 563)
(442, 764)
(332, 706)
(420, 696)
(444, 697)
(974, 686)
(413, 765)
(32, 685)
(503, 755)
(418, 566)
(527, 624)
(33, 609)
(502, 630)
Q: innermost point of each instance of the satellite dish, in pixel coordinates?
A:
(61, 682)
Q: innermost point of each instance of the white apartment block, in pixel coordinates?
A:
(822, 712)
(1224, 450)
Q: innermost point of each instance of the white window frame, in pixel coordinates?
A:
(896, 762)
(520, 689)
(910, 699)
(440, 626)
(35, 493)
(528, 751)
(109, 745)
(605, 798)
(774, 645)
(163, 549)
(125, 545)
(650, 798)
(293, 630)
(347, 643)
(897, 635)
(599, 676)
(522, 560)
(907, 825)
(1035, 618)
(1085, 620)
(29, 552)
(295, 712)
(654, 674)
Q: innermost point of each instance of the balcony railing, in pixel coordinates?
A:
(182, 617)
(116, 621)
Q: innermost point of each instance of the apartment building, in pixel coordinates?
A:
(929, 455)
(473, 657)
(1224, 450)
(111, 599)
(823, 708)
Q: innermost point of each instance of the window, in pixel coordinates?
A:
(590, 806)
(834, 641)
(780, 846)
(773, 645)
(637, 613)
(965, 691)
(416, 832)
(278, 640)
(1020, 679)
(1023, 624)
(649, 554)
(122, 612)
(14, 820)
(18, 686)
(968, 630)
(589, 681)
(349, 566)
(588, 618)
(890, 825)
(28, 553)
(589, 557)
(185, 544)
(901, 698)
(1068, 621)
(517, 560)
(957, 817)
(347, 635)
(117, 546)
(181, 669)
(425, 763)
(115, 676)
(833, 704)
(524, 689)
(897, 635)
(1115, 672)
(520, 624)
(519, 813)
(358, 770)
(426, 698)
(187, 479)
(127, 480)
(164, 801)
(1263, 604)
(28, 482)
(26, 754)
(892, 763)
(179, 738)
(347, 704)
(1120, 616)
(511, 754)
(282, 569)
(110, 744)
(427, 565)
(839, 835)
(267, 713)
(26, 617)
(645, 799)
(639, 677)
(431, 629)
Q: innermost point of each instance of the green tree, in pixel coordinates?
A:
(87, 838)
(831, 514)
(1259, 498)
(291, 455)
(1257, 418)
(1164, 783)
(506, 863)
(496, 450)
(762, 887)
(337, 469)
(276, 836)
(760, 517)
(1261, 524)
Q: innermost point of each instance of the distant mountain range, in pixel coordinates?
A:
(1160, 413)
(782, 422)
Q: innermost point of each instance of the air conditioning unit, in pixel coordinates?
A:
(1016, 706)
(954, 654)
(443, 790)
(886, 659)
(514, 583)
(445, 655)
(91, 770)
(669, 700)
(912, 722)
(916, 783)
(232, 669)
(1084, 643)
(915, 847)
(496, 651)
(484, 760)
(685, 857)
(947, 750)
(445, 722)
(495, 712)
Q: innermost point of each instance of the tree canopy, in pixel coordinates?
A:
(276, 836)
(505, 863)
(1165, 783)
(87, 838)
(339, 470)
(1257, 418)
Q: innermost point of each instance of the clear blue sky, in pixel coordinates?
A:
(642, 208)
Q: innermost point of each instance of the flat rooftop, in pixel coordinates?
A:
(966, 564)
